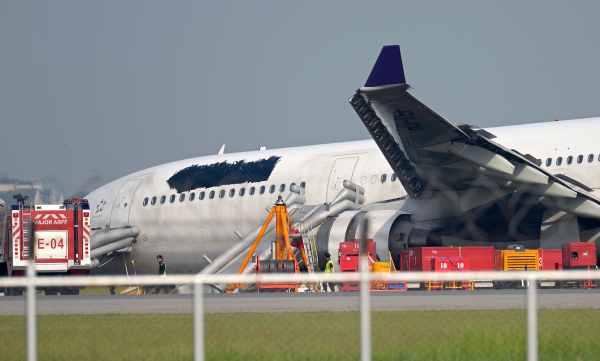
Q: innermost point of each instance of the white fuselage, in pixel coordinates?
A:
(184, 231)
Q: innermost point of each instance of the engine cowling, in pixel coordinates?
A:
(383, 228)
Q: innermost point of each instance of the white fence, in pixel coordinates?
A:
(364, 278)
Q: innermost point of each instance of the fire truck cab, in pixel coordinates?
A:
(55, 236)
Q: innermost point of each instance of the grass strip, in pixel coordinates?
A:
(397, 335)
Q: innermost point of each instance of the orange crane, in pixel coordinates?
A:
(283, 250)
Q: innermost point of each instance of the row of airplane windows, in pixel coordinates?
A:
(221, 194)
(384, 177)
(232, 192)
(569, 160)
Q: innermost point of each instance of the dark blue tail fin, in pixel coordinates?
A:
(388, 68)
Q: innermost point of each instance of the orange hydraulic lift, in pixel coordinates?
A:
(283, 250)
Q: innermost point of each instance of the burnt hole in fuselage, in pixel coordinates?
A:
(222, 173)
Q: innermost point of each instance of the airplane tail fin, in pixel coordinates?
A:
(388, 69)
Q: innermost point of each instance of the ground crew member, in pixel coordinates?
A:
(162, 267)
(162, 271)
(329, 286)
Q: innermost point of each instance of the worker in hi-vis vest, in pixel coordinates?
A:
(328, 286)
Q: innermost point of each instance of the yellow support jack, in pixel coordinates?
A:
(283, 247)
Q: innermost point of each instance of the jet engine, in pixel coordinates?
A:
(348, 226)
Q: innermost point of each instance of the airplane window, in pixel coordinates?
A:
(153, 201)
(393, 177)
(251, 191)
(579, 158)
(163, 198)
(282, 188)
(201, 196)
(383, 178)
(145, 202)
(211, 195)
(570, 159)
(182, 197)
(303, 185)
(548, 162)
(222, 193)
(262, 190)
(272, 188)
(192, 196)
(590, 158)
(559, 161)
(172, 198)
(231, 193)
(242, 192)
(292, 185)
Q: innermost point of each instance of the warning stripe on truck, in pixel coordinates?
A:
(86, 235)
(16, 235)
(54, 216)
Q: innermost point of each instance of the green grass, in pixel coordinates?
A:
(408, 335)
(95, 291)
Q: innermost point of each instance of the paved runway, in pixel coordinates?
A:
(413, 300)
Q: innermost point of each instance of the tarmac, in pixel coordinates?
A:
(323, 302)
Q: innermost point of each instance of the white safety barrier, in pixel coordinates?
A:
(197, 281)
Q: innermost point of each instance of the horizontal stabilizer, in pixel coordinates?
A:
(388, 69)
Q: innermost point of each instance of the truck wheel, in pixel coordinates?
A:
(69, 291)
(50, 291)
(15, 291)
(3, 269)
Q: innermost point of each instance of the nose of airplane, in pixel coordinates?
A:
(101, 201)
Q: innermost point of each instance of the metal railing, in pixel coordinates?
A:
(31, 282)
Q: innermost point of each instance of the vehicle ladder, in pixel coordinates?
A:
(309, 241)
(27, 231)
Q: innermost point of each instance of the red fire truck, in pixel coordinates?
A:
(55, 237)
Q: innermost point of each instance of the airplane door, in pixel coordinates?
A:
(343, 169)
(119, 216)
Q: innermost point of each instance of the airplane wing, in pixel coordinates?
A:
(430, 155)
